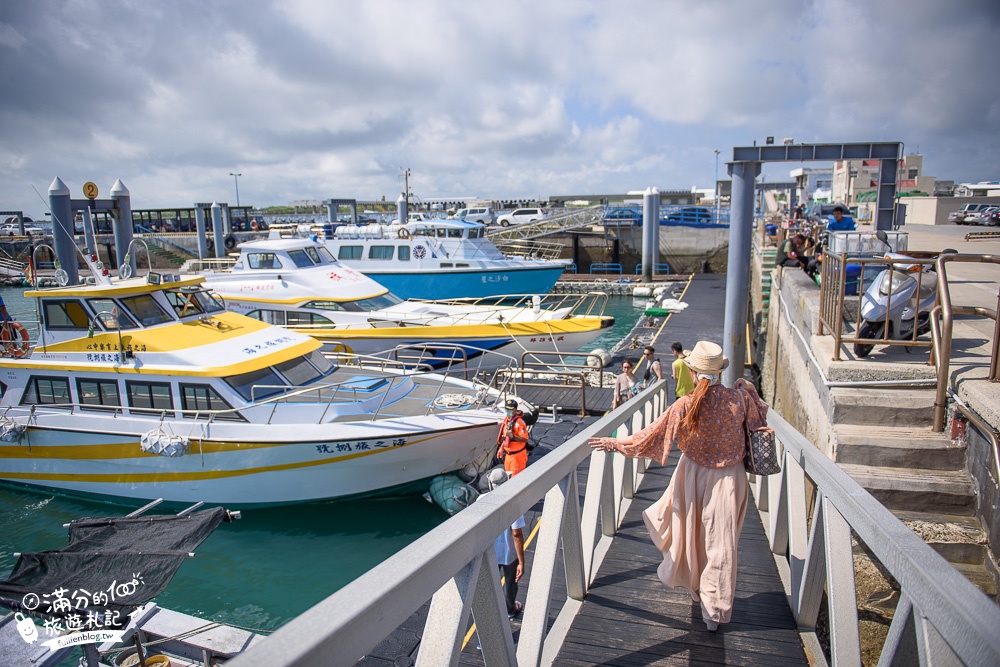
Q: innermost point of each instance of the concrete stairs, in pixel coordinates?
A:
(882, 438)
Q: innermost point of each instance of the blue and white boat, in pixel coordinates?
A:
(444, 259)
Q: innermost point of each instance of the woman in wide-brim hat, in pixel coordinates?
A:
(696, 524)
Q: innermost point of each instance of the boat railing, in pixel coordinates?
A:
(530, 249)
(212, 264)
(588, 304)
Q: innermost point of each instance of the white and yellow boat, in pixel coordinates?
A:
(298, 284)
(146, 388)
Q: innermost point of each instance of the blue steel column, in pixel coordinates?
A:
(123, 224)
(650, 233)
(62, 226)
(199, 223)
(217, 231)
(738, 275)
(885, 197)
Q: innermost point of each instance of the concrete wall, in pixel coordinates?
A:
(935, 210)
(982, 469)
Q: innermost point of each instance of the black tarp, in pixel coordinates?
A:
(111, 566)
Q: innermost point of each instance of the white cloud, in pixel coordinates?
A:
(317, 99)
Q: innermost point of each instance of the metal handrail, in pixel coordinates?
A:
(455, 565)
(942, 337)
(553, 224)
(833, 297)
(941, 615)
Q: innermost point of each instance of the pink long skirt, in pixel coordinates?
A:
(696, 525)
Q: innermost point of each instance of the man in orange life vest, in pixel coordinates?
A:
(513, 440)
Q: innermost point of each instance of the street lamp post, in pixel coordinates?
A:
(717, 151)
(236, 179)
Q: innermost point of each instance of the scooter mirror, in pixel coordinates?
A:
(948, 251)
(882, 236)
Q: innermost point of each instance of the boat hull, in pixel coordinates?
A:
(506, 341)
(442, 283)
(270, 465)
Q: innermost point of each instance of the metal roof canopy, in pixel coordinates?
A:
(744, 169)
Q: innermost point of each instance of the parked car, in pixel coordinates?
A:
(481, 214)
(622, 215)
(995, 218)
(981, 217)
(690, 214)
(521, 215)
(959, 217)
(11, 229)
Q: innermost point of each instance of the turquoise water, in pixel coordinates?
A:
(274, 563)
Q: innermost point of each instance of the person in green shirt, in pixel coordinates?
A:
(682, 376)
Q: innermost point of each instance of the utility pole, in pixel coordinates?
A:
(236, 179)
(717, 151)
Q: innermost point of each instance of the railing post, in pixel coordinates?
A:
(572, 543)
(591, 508)
(536, 607)
(845, 639)
(490, 614)
(900, 647)
(441, 642)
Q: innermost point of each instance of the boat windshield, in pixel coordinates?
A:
(310, 255)
(186, 301)
(145, 310)
(257, 384)
(360, 305)
(111, 315)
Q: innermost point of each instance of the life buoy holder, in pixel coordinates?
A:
(14, 340)
(404, 234)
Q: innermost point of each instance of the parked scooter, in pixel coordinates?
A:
(901, 296)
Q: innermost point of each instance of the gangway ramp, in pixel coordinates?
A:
(556, 224)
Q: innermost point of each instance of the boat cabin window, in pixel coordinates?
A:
(380, 252)
(322, 364)
(314, 253)
(476, 233)
(350, 252)
(297, 319)
(263, 260)
(284, 318)
(186, 301)
(204, 398)
(403, 254)
(455, 233)
(110, 315)
(46, 391)
(144, 308)
(445, 265)
(149, 396)
(256, 385)
(359, 306)
(302, 259)
(98, 393)
(65, 314)
(298, 371)
(326, 255)
(423, 231)
(442, 232)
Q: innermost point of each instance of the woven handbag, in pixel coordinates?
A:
(761, 455)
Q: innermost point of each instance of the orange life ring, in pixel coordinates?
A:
(403, 233)
(253, 225)
(9, 340)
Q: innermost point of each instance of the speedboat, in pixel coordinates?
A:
(444, 259)
(147, 388)
(298, 283)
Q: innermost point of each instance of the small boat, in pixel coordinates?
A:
(444, 259)
(147, 388)
(298, 283)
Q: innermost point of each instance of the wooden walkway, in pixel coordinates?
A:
(629, 618)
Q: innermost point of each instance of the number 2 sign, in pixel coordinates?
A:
(90, 190)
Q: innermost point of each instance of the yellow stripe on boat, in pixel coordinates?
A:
(118, 289)
(453, 331)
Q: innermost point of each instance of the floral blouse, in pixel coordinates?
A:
(720, 439)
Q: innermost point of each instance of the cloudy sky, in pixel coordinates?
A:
(311, 99)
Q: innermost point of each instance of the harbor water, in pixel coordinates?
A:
(274, 563)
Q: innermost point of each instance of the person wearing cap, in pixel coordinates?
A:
(696, 524)
(838, 222)
(513, 439)
(683, 380)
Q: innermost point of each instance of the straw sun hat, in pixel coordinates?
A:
(707, 358)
